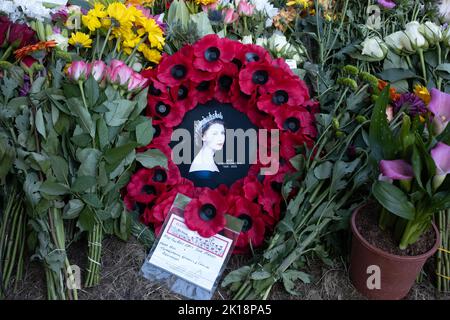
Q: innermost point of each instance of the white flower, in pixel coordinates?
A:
(374, 48)
(431, 31)
(399, 42)
(444, 10)
(266, 8)
(247, 39)
(261, 42)
(278, 42)
(23, 9)
(446, 36)
(418, 41)
(61, 41)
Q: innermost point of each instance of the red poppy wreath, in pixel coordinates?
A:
(264, 89)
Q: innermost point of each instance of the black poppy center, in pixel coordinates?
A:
(225, 82)
(154, 91)
(280, 97)
(237, 62)
(178, 71)
(182, 92)
(248, 222)
(148, 189)
(212, 54)
(292, 124)
(157, 131)
(207, 212)
(162, 109)
(203, 86)
(276, 186)
(251, 57)
(160, 176)
(260, 77)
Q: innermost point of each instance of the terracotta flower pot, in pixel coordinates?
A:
(396, 274)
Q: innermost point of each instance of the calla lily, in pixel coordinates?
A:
(441, 156)
(440, 106)
(396, 169)
(79, 70)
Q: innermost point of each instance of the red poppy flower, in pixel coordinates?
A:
(255, 76)
(165, 202)
(251, 53)
(244, 102)
(254, 227)
(164, 111)
(146, 184)
(206, 214)
(204, 90)
(175, 69)
(290, 141)
(281, 64)
(211, 52)
(285, 93)
(184, 96)
(297, 120)
(156, 89)
(227, 85)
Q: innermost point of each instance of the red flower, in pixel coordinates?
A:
(206, 214)
(147, 184)
(285, 93)
(244, 102)
(4, 26)
(175, 69)
(298, 121)
(281, 63)
(251, 53)
(290, 141)
(21, 35)
(227, 85)
(164, 111)
(211, 52)
(253, 228)
(257, 75)
(204, 90)
(184, 96)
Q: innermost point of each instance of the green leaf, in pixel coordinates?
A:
(152, 158)
(417, 165)
(393, 199)
(39, 122)
(144, 133)
(260, 275)
(290, 276)
(88, 158)
(396, 74)
(86, 221)
(53, 188)
(73, 209)
(203, 24)
(83, 115)
(116, 155)
(92, 91)
(123, 226)
(141, 100)
(83, 183)
(238, 275)
(103, 135)
(92, 200)
(60, 168)
(118, 111)
(323, 171)
(443, 70)
(31, 188)
(382, 143)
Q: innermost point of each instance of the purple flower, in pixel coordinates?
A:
(60, 16)
(440, 106)
(387, 4)
(441, 156)
(26, 87)
(412, 103)
(396, 169)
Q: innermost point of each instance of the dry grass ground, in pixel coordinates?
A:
(120, 279)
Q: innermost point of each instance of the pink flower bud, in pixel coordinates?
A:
(119, 73)
(137, 82)
(245, 8)
(230, 16)
(98, 70)
(79, 70)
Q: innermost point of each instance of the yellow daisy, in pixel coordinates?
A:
(154, 33)
(80, 40)
(119, 18)
(205, 2)
(303, 3)
(93, 18)
(151, 55)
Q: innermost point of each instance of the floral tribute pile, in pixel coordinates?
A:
(272, 97)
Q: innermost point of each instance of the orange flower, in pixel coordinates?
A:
(27, 50)
(392, 92)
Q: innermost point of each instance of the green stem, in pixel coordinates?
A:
(439, 52)
(135, 49)
(422, 64)
(104, 43)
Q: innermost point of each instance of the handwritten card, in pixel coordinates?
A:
(186, 254)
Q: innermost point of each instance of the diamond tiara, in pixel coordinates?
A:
(200, 124)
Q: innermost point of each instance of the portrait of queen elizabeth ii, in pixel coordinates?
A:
(209, 135)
